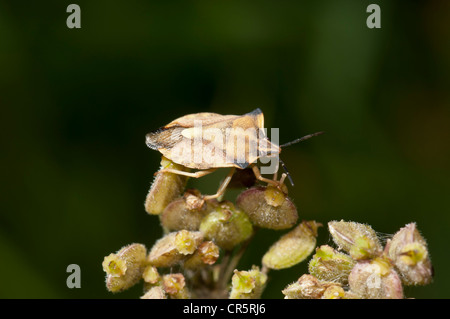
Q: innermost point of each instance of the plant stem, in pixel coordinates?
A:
(226, 275)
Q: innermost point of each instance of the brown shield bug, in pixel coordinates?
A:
(208, 141)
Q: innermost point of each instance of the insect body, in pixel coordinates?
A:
(207, 141)
(210, 140)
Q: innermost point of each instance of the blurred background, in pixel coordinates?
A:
(76, 105)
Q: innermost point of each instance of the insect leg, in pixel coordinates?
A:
(263, 179)
(275, 175)
(283, 177)
(197, 174)
(223, 186)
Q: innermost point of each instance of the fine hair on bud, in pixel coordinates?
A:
(409, 252)
(327, 264)
(175, 286)
(174, 248)
(309, 287)
(226, 226)
(293, 247)
(359, 240)
(268, 207)
(165, 187)
(375, 279)
(124, 269)
(247, 284)
(186, 212)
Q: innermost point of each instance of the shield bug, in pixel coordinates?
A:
(208, 141)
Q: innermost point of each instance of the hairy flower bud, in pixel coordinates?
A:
(174, 247)
(330, 265)
(359, 240)
(226, 226)
(114, 266)
(409, 253)
(247, 284)
(268, 207)
(206, 254)
(186, 212)
(334, 292)
(375, 279)
(155, 292)
(175, 286)
(165, 187)
(187, 242)
(309, 287)
(124, 269)
(151, 275)
(293, 247)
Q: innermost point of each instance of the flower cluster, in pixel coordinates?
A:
(364, 269)
(204, 239)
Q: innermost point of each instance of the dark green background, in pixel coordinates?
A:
(76, 105)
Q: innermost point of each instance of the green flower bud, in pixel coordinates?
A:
(247, 284)
(206, 254)
(375, 279)
(329, 265)
(309, 287)
(155, 292)
(268, 207)
(226, 226)
(165, 188)
(186, 212)
(409, 253)
(124, 269)
(359, 240)
(174, 248)
(175, 286)
(293, 247)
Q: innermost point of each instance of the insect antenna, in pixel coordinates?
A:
(301, 139)
(287, 172)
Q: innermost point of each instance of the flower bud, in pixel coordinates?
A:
(293, 247)
(375, 279)
(124, 269)
(187, 242)
(165, 187)
(330, 265)
(151, 275)
(206, 254)
(409, 253)
(247, 284)
(359, 240)
(334, 292)
(351, 295)
(309, 287)
(175, 286)
(226, 226)
(155, 292)
(268, 207)
(186, 212)
(174, 247)
(114, 266)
